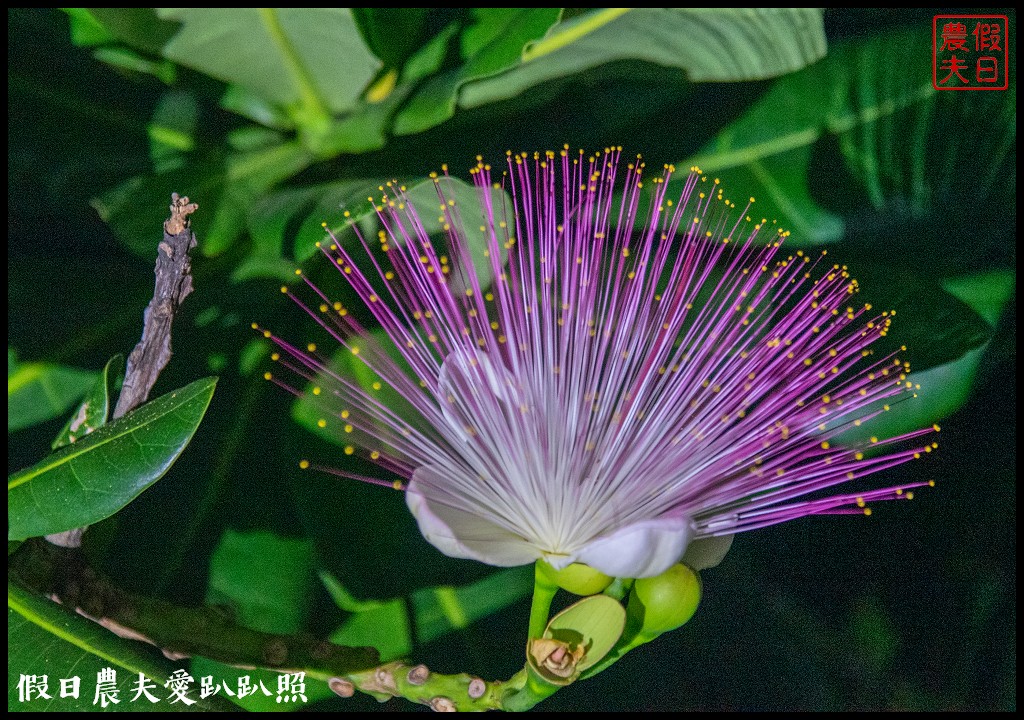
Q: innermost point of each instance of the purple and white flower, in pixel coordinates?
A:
(630, 369)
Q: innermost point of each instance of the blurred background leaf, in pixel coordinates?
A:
(38, 391)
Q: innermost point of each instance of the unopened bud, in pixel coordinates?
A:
(665, 602)
(577, 578)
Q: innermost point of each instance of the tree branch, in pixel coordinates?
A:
(173, 284)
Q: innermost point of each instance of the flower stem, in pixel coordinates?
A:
(543, 593)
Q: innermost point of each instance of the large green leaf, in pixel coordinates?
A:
(318, 411)
(95, 477)
(312, 61)
(709, 44)
(935, 326)
(126, 38)
(265, 578)
(493, 42)
(268, 222)
(226, 187)
(39, 391)
(248, 176)
(353, 197)
(136, 209)
(44, 638)
(860, 136)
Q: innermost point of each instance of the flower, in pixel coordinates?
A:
(629, 371)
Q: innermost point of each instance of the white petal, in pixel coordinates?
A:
(461, 534)
(643, 549)
(707, 552)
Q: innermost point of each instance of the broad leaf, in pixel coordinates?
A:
(710, 44)
(853, 140)
(317, 410)
(138, 27)
(493, 42)
(38, 391)
(353, 197)
(311, 61)
(95, 409)
(268, 223)
(935, 326)
(227, 189)
(136, 209)
(248, 176)
(92, 479)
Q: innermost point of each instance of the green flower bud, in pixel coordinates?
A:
(577, 578)
(663, 603)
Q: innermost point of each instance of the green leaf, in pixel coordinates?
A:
(393, 34)
(364, 129)
(86, 29)
(44, 638)
(987, 292)
(318, 411)
(227, 189)
(264, 578)
(138, 27)
(125, 59)
(312, 61)
(851, 146)
(395, 626)
(935, 326)
(711, 44)
(172, 129)
(39, 391)
(96, 407)
(266, 582)
(248, 104)
(334, 199)
(268, 222)
(385, 627)
(947, 387)
(440, 610)
(83, 483)
(250, 175)
(493, 42)
(429, 58)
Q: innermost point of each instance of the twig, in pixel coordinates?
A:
(173, 284)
